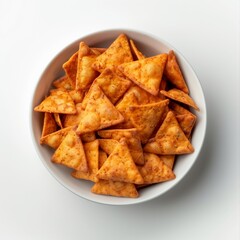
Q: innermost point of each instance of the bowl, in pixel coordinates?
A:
(150, 45)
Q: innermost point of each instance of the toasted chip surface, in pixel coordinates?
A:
(154, 170)
(170, 139)
(58, 102)
(71, 153)
(102, 158)
(146, 73)
(174, 74)
(115, 188)
(168, 160)
(146, 117)
(73, 119)
(187, 123)
(64, 82)
(180, 96)
(117, 53)
(54, 139)
(92, 155)
(49, 124)
(120, 166)
(99, 113)
(132, 140)
(108, 145)
(135, 50)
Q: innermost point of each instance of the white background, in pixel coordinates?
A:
(205, 205)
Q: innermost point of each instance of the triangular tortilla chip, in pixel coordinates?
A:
(98, 51)
(154, 170)
(108, 145)
(180, 96)
(179, 110)
(70, 153)
(102, 158)
(168, 160)
(118, 52)
(170, 139)
(49, 124)
(117, 189)
(99, 113)
(146, 73)
(73, 119)
(186, 122)
(92, 155)
(58, 102)
(138, 55)
(77, 95)
(174, 74)
(70, 68)
(63, 82)
(54, 139)
(58, 120)
(132, 140)
(120, 166)
(146, 117)
(88, 137)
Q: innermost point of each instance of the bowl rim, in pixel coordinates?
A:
(115, 31)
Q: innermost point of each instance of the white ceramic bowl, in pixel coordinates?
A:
(149, 45)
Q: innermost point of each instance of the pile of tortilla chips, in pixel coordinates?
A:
(118, 118)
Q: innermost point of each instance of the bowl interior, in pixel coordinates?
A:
(150, 46)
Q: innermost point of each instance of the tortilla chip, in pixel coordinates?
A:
(146, 117)
(136, 53)
(168, 160)
(179, 110)
(117, 189)
(70, 153)
(186, 122)
(146, 73)
(88, 137)
(154, 170)
(98, 51)
(120, 166)
(170, 139)
(92, 154)
(99, 113)
(112, 85)
(180, 96)
(63, 82)
(58, 119)
(132, 140)
(119, 52)
(49, 124)
(70, 68)
(54, 139)
(77, 95)
(102, 158)
(174, 74)
(73, 119)
(108, 145)
(58, 102)
(86, 74)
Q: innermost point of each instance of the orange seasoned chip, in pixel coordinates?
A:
(115, 188)
(98, 51)
(179, 110)
(135, 51)
(73, 119)
(174, 74)
(108, 145)
(70, 68)
(49, 124)
(102, 158)
(63, 82)
(154, 170)
(170, 139)
(77, 95)
(180, 96)
(117, 53)
(54, 139)
(146, 73)
(58, 119)
(92, 155)
(70, 153)
(186, 122)
(88, 137)
(168, 160)
(99, 113)
(58, 102)
(146, 117)
(132, 140)
(120, 166)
